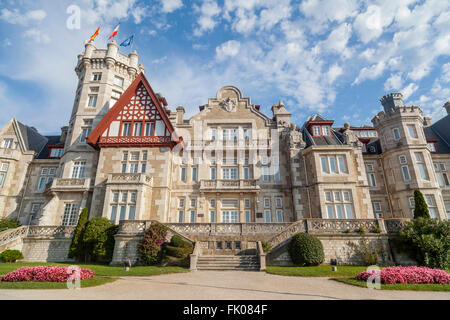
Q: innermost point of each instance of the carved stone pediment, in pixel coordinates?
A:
(228, 104)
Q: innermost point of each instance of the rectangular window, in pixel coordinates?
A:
(405, 173)
(317, 131)
(118, 81)
(432, 146)
(126, 129)
(247, 214)
(123, 210)
(266, 202)
(124, 168)
(78, 170)
(265, 174)
(229, 173)
(267, 216)
(131, 212)
(246, 136)
(230, 203)
(180, 216)
(247, 203)
(402, 159)
(339, 204)
(113, 213)
(92, 101)
(183, 174)
(181, 203)
(376, 206)
(276, 176)
(333, 164)
(370, 167)
(412, 131)
(213, 174)
(342, 165)
(330, 211)
(7, 143)
(279, 203)
(137, 129)
(35, 207)
(279, 215)
(56, 153)
(246, 173)
(149, 129)
(324, 162)
(447, 209)
(212, 203)
(372, 181)
(213, 134)
(143, 168)
(212, 216)
(193, 203)
(396, 134)
(192, 220)
(134, 167)
(70, 216)
(194, 174)
(97, 77)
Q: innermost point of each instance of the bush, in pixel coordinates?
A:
(367, 252)
(421, 208)
(427, 241)
(177, 252)
(150, 247)
(267, 247)
(409, 275)
(306, 250)
(98, 238)
(6, 224)
(45, 274)
(179, 242)
(11, 255)
(77, 249)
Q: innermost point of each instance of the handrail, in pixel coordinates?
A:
(194, 257)
(10, 235)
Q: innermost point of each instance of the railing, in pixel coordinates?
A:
(287, 233)
(193, 229)
(10, 235)
(240, 143)
(50, 231)
(130, 178)
(64, 184)
(229, 184)
(393, 225)
(341, 225)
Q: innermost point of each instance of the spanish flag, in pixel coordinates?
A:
(95, 34)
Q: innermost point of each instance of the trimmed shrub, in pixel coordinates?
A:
(267, 247)
(6, 224)
(98, 238)
(427, 241)
(11, 255)
(177, 252)
(45, 274)
(409, 275)
(306, 250)
(421, 208)
(179, 242)
(150, 247)
(76, 249)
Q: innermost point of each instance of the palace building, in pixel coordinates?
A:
(125, 155)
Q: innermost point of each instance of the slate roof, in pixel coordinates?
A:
(440, 131)
(45, 152)
(32, 139)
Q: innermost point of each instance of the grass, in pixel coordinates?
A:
(103, 274)
(398, 286)
(316, 271)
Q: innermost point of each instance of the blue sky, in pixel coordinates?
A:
(337, 58)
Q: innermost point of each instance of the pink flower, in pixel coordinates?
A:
(44, 274)
(410, 275)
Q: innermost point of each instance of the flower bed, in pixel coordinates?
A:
(45, 274)
(408, 275)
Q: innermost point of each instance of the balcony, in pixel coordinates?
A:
(229, 185)
(130, 178)
(68, 185)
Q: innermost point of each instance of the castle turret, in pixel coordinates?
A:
(447, 107)
(392, 100)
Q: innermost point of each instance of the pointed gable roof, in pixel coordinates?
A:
(137, 119)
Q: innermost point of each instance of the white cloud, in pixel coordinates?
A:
(228, 49)
(394, 82)
(169, 6)
(27, 18)
(338, 39)
(334, 72)
(370, 73)
(37, 36)
(209, 10)
(409, 90)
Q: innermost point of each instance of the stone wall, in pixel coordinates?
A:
(46, 249)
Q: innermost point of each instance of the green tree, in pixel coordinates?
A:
(98, 238)
(76, 249)
(421, 208)
(151, 244)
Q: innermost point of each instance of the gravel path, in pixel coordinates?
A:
(227, 285)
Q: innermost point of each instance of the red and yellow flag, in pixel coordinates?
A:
(95, 34)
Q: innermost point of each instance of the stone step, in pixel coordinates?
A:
(230, 269)
(227, 264)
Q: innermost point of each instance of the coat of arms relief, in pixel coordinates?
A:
(228, 104)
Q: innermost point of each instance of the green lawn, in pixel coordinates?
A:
(398, 286)
(317, 271)
(103, 274)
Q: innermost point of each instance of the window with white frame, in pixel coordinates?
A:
(46, 176)
(279, 203)
(342, 164)
(266, 202)
(78, 169)
(246, 173)
(248, 216)
(134, 162)
(97, 77)
(193, 203)
(396, 134)
(230, 216)
(317, 131)
(213, 171)
(447, 209)
(230, 134)
(92, 97)
(181, 203)
(376, 206)
(371, 178)
(333, 164)
(402, 160)
(126, 129)
(412, 131)
(265, 173)
(229, 173)
(8, 143)
(247, 203)
(432, 207)
(339, 204)
(70, 216)
(3, 171)
(56, 152)
(441, 175)
(118, 81)
(86, 129)
(405, 173)
(421, 166)
(194, 174)
(279, 214)
(123, 205)
(192, 216)
(213, 134)
(183, 174)
(212, 216)
(432, 146)
(412, 205)
(246, 134)
(180, 216)
(212, 203)
(267, 216)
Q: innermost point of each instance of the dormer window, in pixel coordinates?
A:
(432, 146)
(325, 130)
(321, 131)
(56, 152)
(317, 131)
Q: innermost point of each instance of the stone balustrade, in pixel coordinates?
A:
(393, 225)
(64, 184)
(10, 235)
(50, 231)
(341, 225)
(231, 185)
(130, 178)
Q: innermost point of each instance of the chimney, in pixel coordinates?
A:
(392, 101)
(180, 115)
(427, 121)
(63, 134)
(447, 107)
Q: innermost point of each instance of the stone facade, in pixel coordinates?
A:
(229, 163)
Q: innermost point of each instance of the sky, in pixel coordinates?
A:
(336, 57)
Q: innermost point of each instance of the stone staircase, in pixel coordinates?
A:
(223, 262)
